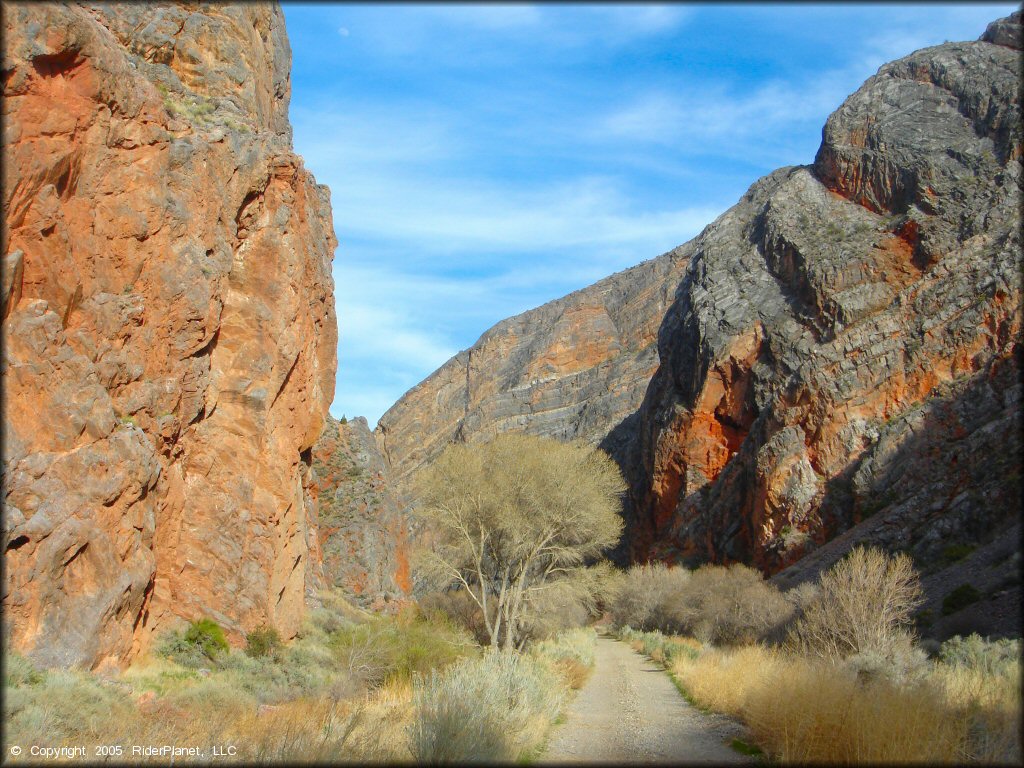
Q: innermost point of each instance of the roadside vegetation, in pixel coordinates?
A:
(351, 687)
(829, 672)
(478, 670)
(481, 666)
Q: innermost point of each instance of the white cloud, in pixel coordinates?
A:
(446, 223)
(343, 31)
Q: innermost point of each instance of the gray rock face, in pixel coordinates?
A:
(831, 305)
(839, 353)
(574, 368)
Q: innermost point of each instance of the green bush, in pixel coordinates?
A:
(397, 648)
(955, 552)
(262, 641)
(207, 635)
(959, 599)
(201, 643)
(20, 671)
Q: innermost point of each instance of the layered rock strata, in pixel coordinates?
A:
(845, 342)
(575, 368)
(364, 532)
(170, 339)
(840, 346)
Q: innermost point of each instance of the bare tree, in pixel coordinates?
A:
(514, 516)
(865, 604)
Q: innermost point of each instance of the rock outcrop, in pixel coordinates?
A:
(846, 341)
(170, 339)
(575, 368)
(841, 346)
(364, 531)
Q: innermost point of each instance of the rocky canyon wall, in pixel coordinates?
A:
(169, 328)
(575, 368)
(846, 341)
(841, 346)
(364, 530)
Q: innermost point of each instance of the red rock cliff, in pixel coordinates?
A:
(170, 338)
(846, 341)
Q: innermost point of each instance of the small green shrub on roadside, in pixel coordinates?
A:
(262, 641)
(959, 599)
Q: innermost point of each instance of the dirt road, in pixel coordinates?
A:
(629, 711)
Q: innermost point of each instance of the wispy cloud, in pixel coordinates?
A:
(484, 159)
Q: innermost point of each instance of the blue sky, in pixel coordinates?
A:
(484, 159)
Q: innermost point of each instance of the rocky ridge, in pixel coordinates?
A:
(363, 529)
(574, 368)
(170, 338)
(847, 324)
(839, 357)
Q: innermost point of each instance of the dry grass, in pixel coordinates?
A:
(807, 710)
(571, 653)
(497, 707)
(304, 702)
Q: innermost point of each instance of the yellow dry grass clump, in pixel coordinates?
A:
(807, 710)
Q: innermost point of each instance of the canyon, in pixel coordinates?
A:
(835, 360)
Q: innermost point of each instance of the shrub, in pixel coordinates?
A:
(866, 604)
(647, 596)
(731, 605)
(497, 707)
(902, 664)
(458, 607)
(959, 599)
(207, 636)
(397, 648)
(955, 552)
(991, 657)
(20, 671)
(203, 641)
(174, 647)
(262, 641)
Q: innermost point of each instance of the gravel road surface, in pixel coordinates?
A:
(630, 712)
